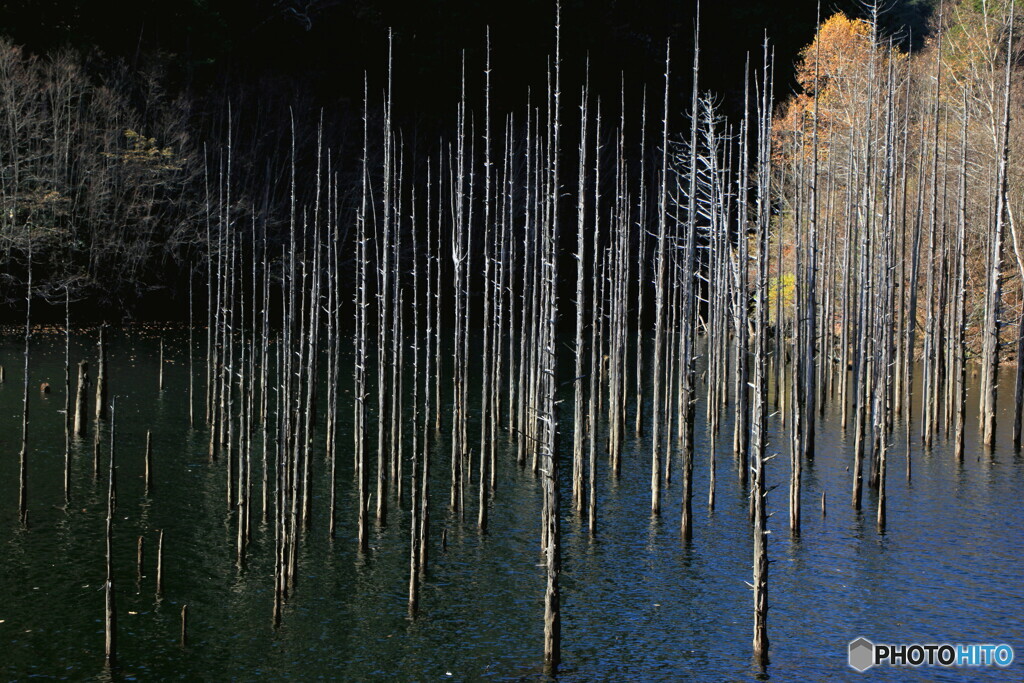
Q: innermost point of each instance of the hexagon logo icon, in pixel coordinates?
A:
(862, 654)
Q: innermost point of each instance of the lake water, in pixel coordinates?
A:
(637, 603)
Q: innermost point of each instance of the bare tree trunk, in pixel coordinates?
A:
(688, 329)
(110, 610)
(741, 421)
(67, 395)
(429, 371)
(990, 337)
(659, 306)
(191, 372)
(580, 256)
(488, 341)
(81, 416)
(960, 364)
(641, 273)
(760, 408)
(552, 598)
(23, 453)
(361, 357)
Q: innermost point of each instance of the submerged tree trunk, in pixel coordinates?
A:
(760, 399)
(23, 453)
(110, 610)
(553, 562)
(993, 302)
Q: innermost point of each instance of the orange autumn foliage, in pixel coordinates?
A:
(841, 62)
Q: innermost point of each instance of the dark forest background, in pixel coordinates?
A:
(321, 48)
(154, 85)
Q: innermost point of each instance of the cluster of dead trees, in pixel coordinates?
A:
(451, 311)
(898, 216)
(771, 264)
(791, 264)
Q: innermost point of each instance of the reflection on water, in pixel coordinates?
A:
(638, 604)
